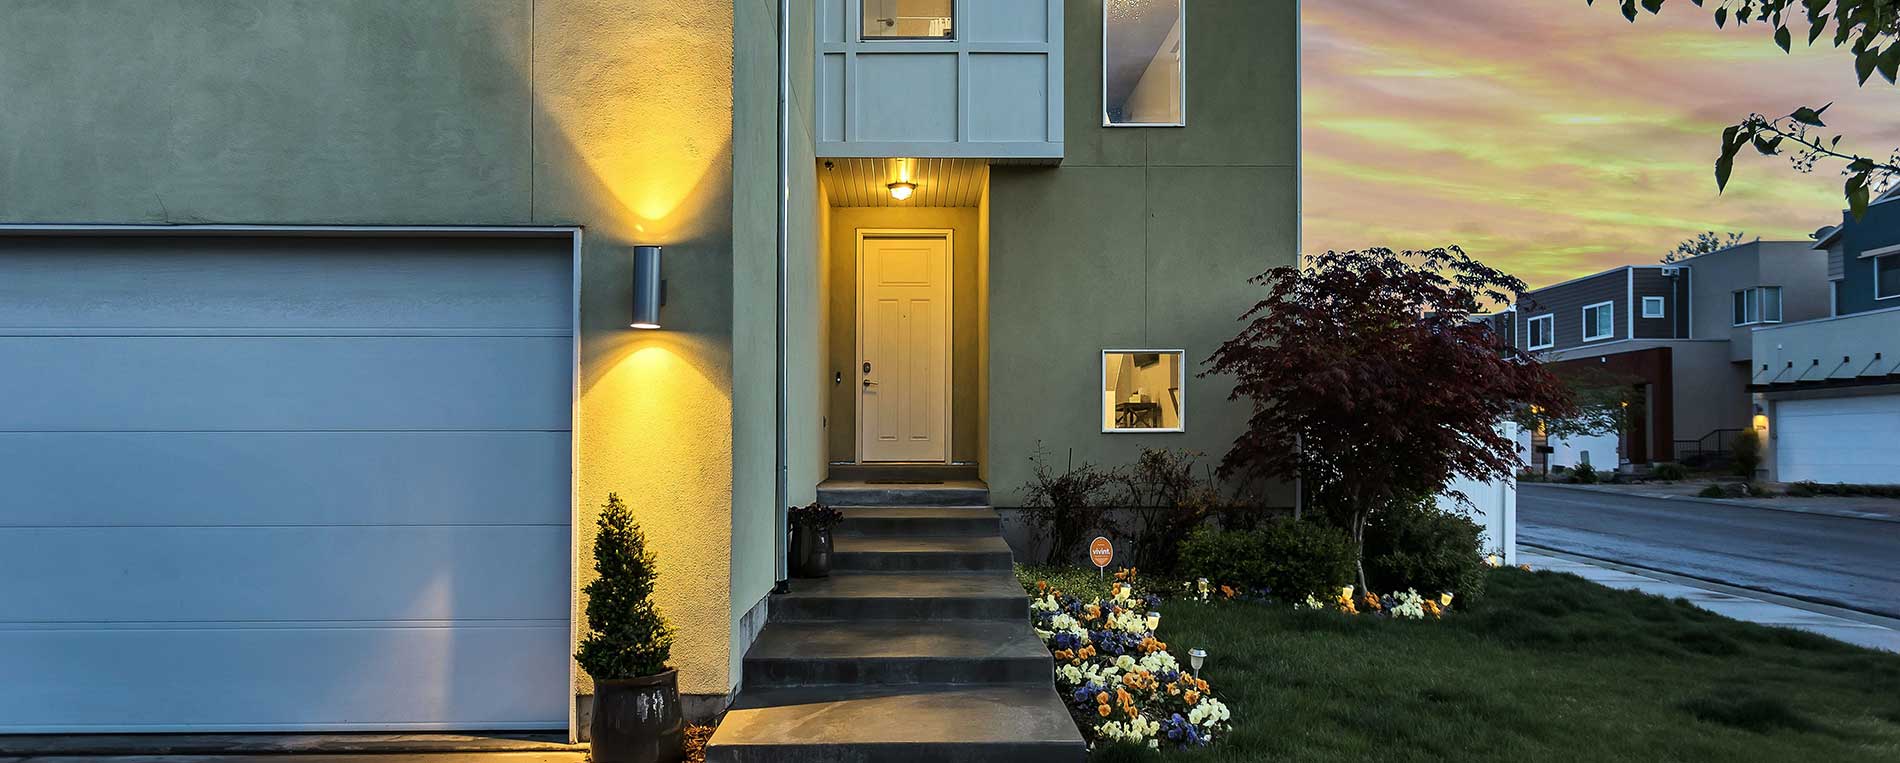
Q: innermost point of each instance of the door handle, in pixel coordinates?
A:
(869, 383)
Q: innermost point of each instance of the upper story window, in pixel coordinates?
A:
(1887, 276)
(1653, 307)
(1599, 321)
(908, 20)
(1540, 332)
(1144, 63)
(1761, 304)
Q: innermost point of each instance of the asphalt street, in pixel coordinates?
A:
(1853, 563)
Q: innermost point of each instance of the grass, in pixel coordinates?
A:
(1547, 667)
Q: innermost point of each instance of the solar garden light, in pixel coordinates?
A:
(1154, 621)
(1196, 656)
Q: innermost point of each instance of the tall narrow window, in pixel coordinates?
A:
(1770, 304)
(908, 20)
(1142, 391)
(1144, 63)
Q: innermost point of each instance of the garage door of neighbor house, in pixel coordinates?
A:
(1842, 439)
(284, 483)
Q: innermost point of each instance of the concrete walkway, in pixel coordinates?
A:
(1857, 628)
(1853, 507)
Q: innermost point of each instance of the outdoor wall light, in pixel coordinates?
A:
(901, 189)
(649, 292)
(1196, 656)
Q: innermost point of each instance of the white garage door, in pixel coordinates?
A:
(1843, 439)
(255, 484)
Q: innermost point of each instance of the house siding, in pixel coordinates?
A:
(1566, 302)
(1650, 282)
(1880, 228)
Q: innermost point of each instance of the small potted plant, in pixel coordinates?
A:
(637, 715)
(811, 539)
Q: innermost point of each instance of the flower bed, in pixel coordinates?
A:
(1122, 684)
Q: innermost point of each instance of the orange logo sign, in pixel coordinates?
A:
(1101, 552)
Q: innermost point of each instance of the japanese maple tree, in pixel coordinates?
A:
(1370, 381)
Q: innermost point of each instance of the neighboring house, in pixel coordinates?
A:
(1827, 391)
(315, 320)
(1678, 334)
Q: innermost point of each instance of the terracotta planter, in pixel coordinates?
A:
(811, 552)
(637, 720)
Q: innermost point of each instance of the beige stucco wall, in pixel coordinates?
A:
(611, 115)
(966, 234)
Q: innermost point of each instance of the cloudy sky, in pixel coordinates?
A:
(1554, 139)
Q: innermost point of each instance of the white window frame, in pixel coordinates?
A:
(1181, 72)
(1896, 258)
(1752, 306)
(1589, 325)
(1550, 331)
(1180, 369)
(955, 20)
(1764, 303)
(1662, 307)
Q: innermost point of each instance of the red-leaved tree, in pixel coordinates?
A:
(1370, 381)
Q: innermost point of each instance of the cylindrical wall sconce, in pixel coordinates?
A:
(649, 292)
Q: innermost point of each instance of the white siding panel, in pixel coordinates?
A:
(195, 479)
(255, 677)
(278, 383)
(1846, 439)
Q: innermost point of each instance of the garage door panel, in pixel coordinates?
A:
(197, 574)
(280, 383)
(255, 678)
(68, 479)
(245, 282)
(1847, 439)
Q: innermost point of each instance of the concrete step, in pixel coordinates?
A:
(917, 598)
(903, 472)
(843, 493)
(920, 520)
(912, 724)
(904, 553)
(887, 652)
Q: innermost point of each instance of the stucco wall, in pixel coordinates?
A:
(1143, 237)
(965, 237)
(482, 112)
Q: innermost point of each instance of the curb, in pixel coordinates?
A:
(1807, 604)
(1765, 504)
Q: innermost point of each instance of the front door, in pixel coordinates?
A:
(904, 347)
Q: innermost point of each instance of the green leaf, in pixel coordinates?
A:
(1652, 6)
(1816, 28)
(1765, 146)
(1810, 116)
(1857, 195)
(1784, 38)
(1889, 64)
(1629, 9)
(1725, 164)
(1721, 17)
(1864, 63)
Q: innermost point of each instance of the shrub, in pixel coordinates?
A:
(1420, 546)
(1168, 500)
(1808, 488)
(1804, 489)
(1584, 475)
(816, 516)
(1747, 453)
(1713, 491)
(627, 637)
(1669, 472)
(1289, 558)
(1065, 507)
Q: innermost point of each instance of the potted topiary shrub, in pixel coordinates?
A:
(637, 715)
(811, 539)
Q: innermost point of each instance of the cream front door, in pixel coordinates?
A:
(903, 348)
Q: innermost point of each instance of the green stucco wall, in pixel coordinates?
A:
(1142, 238)
(611, 115)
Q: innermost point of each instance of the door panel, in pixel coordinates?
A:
(904, 349)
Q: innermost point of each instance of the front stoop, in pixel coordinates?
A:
(917, 648)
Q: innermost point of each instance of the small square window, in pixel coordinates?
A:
(908, 20)
(1144, 63)
(1653, 307)
(1142, 391)
(1540, 331)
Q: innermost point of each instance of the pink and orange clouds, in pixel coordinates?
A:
(1554, 139)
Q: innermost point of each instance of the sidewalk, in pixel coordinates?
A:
(1876, 509)
(1857, 628)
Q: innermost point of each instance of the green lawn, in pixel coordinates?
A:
(1546, 667)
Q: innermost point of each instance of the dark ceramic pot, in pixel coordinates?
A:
(638, 720)
(811, 551)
